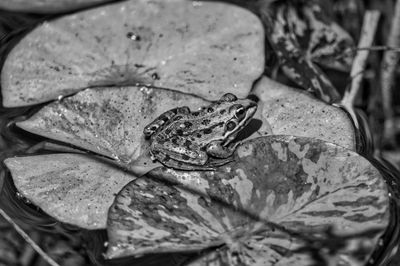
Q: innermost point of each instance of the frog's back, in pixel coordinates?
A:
(161, 121)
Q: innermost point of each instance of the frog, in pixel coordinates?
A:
(199, 140)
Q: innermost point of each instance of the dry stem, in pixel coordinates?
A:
(26, 237)
(370, 24)
(388, 69)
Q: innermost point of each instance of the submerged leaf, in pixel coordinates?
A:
(73, 188)
(206, 49)
(302, 34)
(304, 185)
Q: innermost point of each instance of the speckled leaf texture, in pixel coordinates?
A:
(303, 34)
(47, 6)
(109, 122)
(288, 111)
(73, 188)
(206, 49)
(305, 185)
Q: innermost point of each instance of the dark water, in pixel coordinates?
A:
(385, 252)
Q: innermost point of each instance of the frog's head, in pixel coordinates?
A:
(236, 113)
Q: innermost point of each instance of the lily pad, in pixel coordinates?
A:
(47, 6)
(279, 192)
(108, 121)
(206, 49)
(73, 188)
(274, 248)
(288, 111)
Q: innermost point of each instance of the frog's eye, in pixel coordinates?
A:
(228, 97)
(240, 113)
(230, 126)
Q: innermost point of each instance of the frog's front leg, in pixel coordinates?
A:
(216, 149)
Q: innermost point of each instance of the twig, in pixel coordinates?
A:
(28, 254)
(380, 48)
(369, 26)
(388, 69)
(370, 48)
(29, 240)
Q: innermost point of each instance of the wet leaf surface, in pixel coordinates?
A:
(288, 111)
(47, 6)
(73, 188)
(206, 49)
(305, 185)
(108, 121)
(303, 34)
(274, 248)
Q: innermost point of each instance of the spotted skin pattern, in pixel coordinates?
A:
(199, 140)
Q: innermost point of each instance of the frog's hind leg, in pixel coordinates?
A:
(177, 149)
(154, 126)
(168, 161)
(215, 162)
(210, 166)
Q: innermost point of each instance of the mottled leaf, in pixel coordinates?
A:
(206, 49)
(310, 77)
(302, 34)
(149, 216)
(325, 43)
(73, 188)
(275, 248)
(305, 185)
(109, 121)
(288, 111)
(47, 6)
